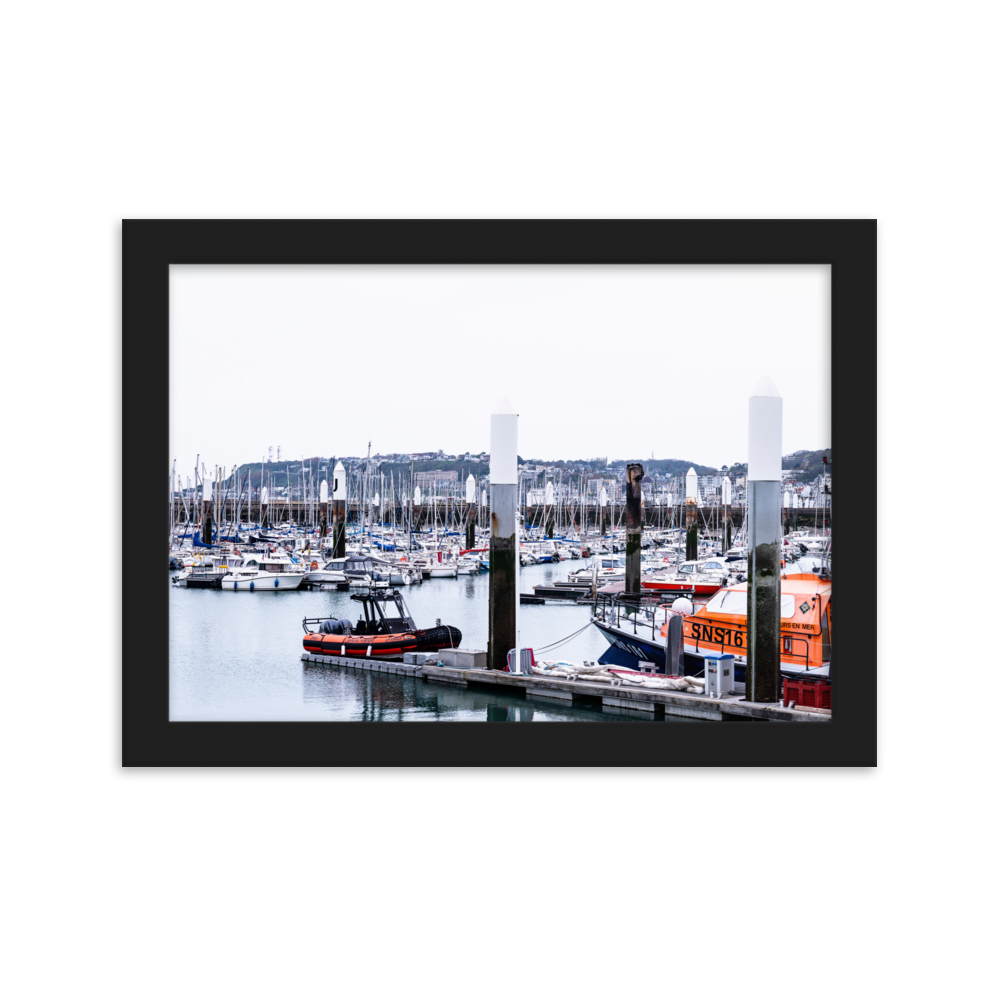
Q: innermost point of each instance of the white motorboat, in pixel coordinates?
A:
(469, 565)
(327, 574)
(265, 571)
(610, 569)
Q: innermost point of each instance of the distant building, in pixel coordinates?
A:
(437, 477)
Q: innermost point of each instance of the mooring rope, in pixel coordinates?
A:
(560, 642)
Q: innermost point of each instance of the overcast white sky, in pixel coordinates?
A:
(624, 361)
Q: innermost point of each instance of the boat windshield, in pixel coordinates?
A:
(734, 602)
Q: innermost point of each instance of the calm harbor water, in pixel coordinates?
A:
(236, 656)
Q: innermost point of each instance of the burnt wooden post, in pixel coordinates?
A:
(339, 511)
(691, 514)
(633, 528)
(324, 507)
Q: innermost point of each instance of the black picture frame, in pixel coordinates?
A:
(149, 247)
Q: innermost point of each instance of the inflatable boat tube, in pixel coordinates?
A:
(421, 640)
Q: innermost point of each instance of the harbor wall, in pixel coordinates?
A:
(653, 517)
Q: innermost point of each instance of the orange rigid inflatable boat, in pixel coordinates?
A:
(720, 626)
(385, 630)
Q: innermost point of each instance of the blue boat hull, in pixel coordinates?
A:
(628, 650)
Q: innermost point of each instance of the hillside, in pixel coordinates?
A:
(807, 464)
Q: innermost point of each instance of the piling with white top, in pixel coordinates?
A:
(763, 674)
(504, 561)
(549, 500)
(727, 499)
(691, 507)
(470, 513)
(604, 512)
(416, 509)
(324, 507)
(633, 527)
(206, 527)
(339, 511)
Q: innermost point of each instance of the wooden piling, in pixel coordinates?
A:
(339, 529)
(470, 526)
(503, 574)
(633, 528)
(763, 674)
(691, 509)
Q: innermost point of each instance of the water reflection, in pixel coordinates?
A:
(374, 697)
(237, 656)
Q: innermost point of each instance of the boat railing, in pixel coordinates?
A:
(637, 610)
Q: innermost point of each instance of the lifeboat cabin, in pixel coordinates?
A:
(720, 626)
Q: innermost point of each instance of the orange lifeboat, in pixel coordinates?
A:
(720, 626)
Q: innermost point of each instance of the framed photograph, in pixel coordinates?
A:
(284, 352)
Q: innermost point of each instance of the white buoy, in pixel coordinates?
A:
(763, 675)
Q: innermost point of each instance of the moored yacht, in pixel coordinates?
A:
(265, 571)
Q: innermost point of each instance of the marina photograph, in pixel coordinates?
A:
(402, 534)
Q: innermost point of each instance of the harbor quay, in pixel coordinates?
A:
(623, 700)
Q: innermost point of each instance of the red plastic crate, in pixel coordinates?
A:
(809, 694)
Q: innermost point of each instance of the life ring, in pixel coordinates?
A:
(315, 565)
(402, 558)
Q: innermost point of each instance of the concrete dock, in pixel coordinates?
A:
(626, 699)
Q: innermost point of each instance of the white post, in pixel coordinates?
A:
(505, 563)
(763, 675)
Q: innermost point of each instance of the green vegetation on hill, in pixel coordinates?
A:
(807, 464)
(666, 467)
